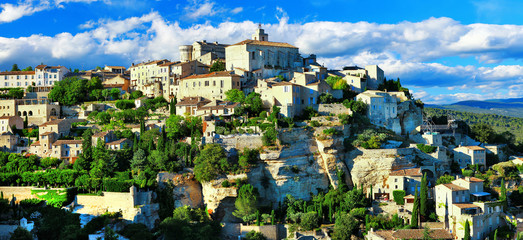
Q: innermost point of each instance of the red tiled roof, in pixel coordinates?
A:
(454, 187)
(41, 66)
(213, 74)
(52, 122)
(18, 73)
(100, 134)
(187, 101)
(117, 142)
(264, 43)
(465, 205)
(46, 133)
(61, 142)
(473, 179)
(116, 67)
(413, 172)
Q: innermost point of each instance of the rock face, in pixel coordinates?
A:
(410, 116)
(372, 166)
(331, 150)
(186, 192)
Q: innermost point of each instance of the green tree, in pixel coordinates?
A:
(136, 94)
(211, 162)
(29, 68)
(309, 221)
(496, 234)
(17, 93)
(344, 227)
(467, 230)
(139, 160)
(172, 106)
(253, 235)
(424, 191)
(445, 179)
(235, 95)
(483, 132)
(69, 91)
(115, 93)
(254, 103)
(87, 143)
(106, 93)
(503, 191)
(96, 94)
(217, 66)
(269, 136)
(246, 202)
(15, 68)
(21, 233)
(415, 210)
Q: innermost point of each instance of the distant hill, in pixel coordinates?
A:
(512, 107)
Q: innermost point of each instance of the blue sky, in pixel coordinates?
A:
(445, 50)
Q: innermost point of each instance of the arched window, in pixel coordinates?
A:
(30, 113)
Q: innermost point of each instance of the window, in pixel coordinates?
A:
(285, 88)
(206, 83)
(253, 55)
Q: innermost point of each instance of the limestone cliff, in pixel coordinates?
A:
(410, 115)
(186, 190)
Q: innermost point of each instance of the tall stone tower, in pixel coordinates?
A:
(260, 34)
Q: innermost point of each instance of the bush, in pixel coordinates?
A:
(263, 114)
(331, 132)
(309, 221)
(426, 148)
(125, 104)
(253, 235)
(315, 123)
(269, 136)
(345, 119)
(399, 196)
(226, 183)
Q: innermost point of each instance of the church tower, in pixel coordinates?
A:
(260, 34)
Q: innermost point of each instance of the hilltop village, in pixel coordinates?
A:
(250, 140)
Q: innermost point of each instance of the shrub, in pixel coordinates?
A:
(269, 136)
(399, 196)
(315, 123)
(309, 221)
(263, 114)
(226, 183)
(253, 235)
(345, 119)
(426, 148)
(331, 132)
(125, 104)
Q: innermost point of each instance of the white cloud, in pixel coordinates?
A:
(237, 10)
(198, 9)
(404, 50)
(11, 12)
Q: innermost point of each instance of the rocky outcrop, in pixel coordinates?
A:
(186, 190)
(331, 150)
(410, 115)
(369, 167)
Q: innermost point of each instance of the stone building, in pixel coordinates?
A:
(258, 58)
(465, 155)
(115, 69)
(403, 179)
(8, 122)
(15, 79)
(143, 73)
(303, 90)
(37, 111)
(48, 75)
(408, 234)
(464, 200)
(202, 51)
(211, 86)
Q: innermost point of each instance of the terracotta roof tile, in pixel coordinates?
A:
(264, 43)
(117, 142)
(18, 73)
(413, 172)
(60, 142)
(454, 187)
(213, 74)
(465, 205)
(52, 122)
(187, 101)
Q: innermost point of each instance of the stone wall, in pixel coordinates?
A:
(335, 108)
(234, 143)
(20, 193)
(269, 231)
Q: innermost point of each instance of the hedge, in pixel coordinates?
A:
(399, 196)
(426, 148)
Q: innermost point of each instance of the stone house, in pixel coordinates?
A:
(8, 141)
(261, 58)
(465, 155)
(119, 81)
(217, 108)
(119, 144)
(14, 79)
(382, 106)
(463, 200)
(189, 105)
(8, 122)
(303, 90)
(211, 86)
(403, 179)
(106, 137)
(62, 127)
(8, 107)
(47, 75)
(202, 51)
(407, 234)
(66, 150)
(142, 73)
(115, 69)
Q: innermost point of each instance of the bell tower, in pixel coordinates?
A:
(260, 34)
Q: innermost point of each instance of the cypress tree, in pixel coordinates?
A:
(273, 218)
(135, 143)
(496, 234)
(142, 127)
(467, 230)
(258, 218)
(503, 192)
(330, 211)
(415, 210)
(424, 191)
